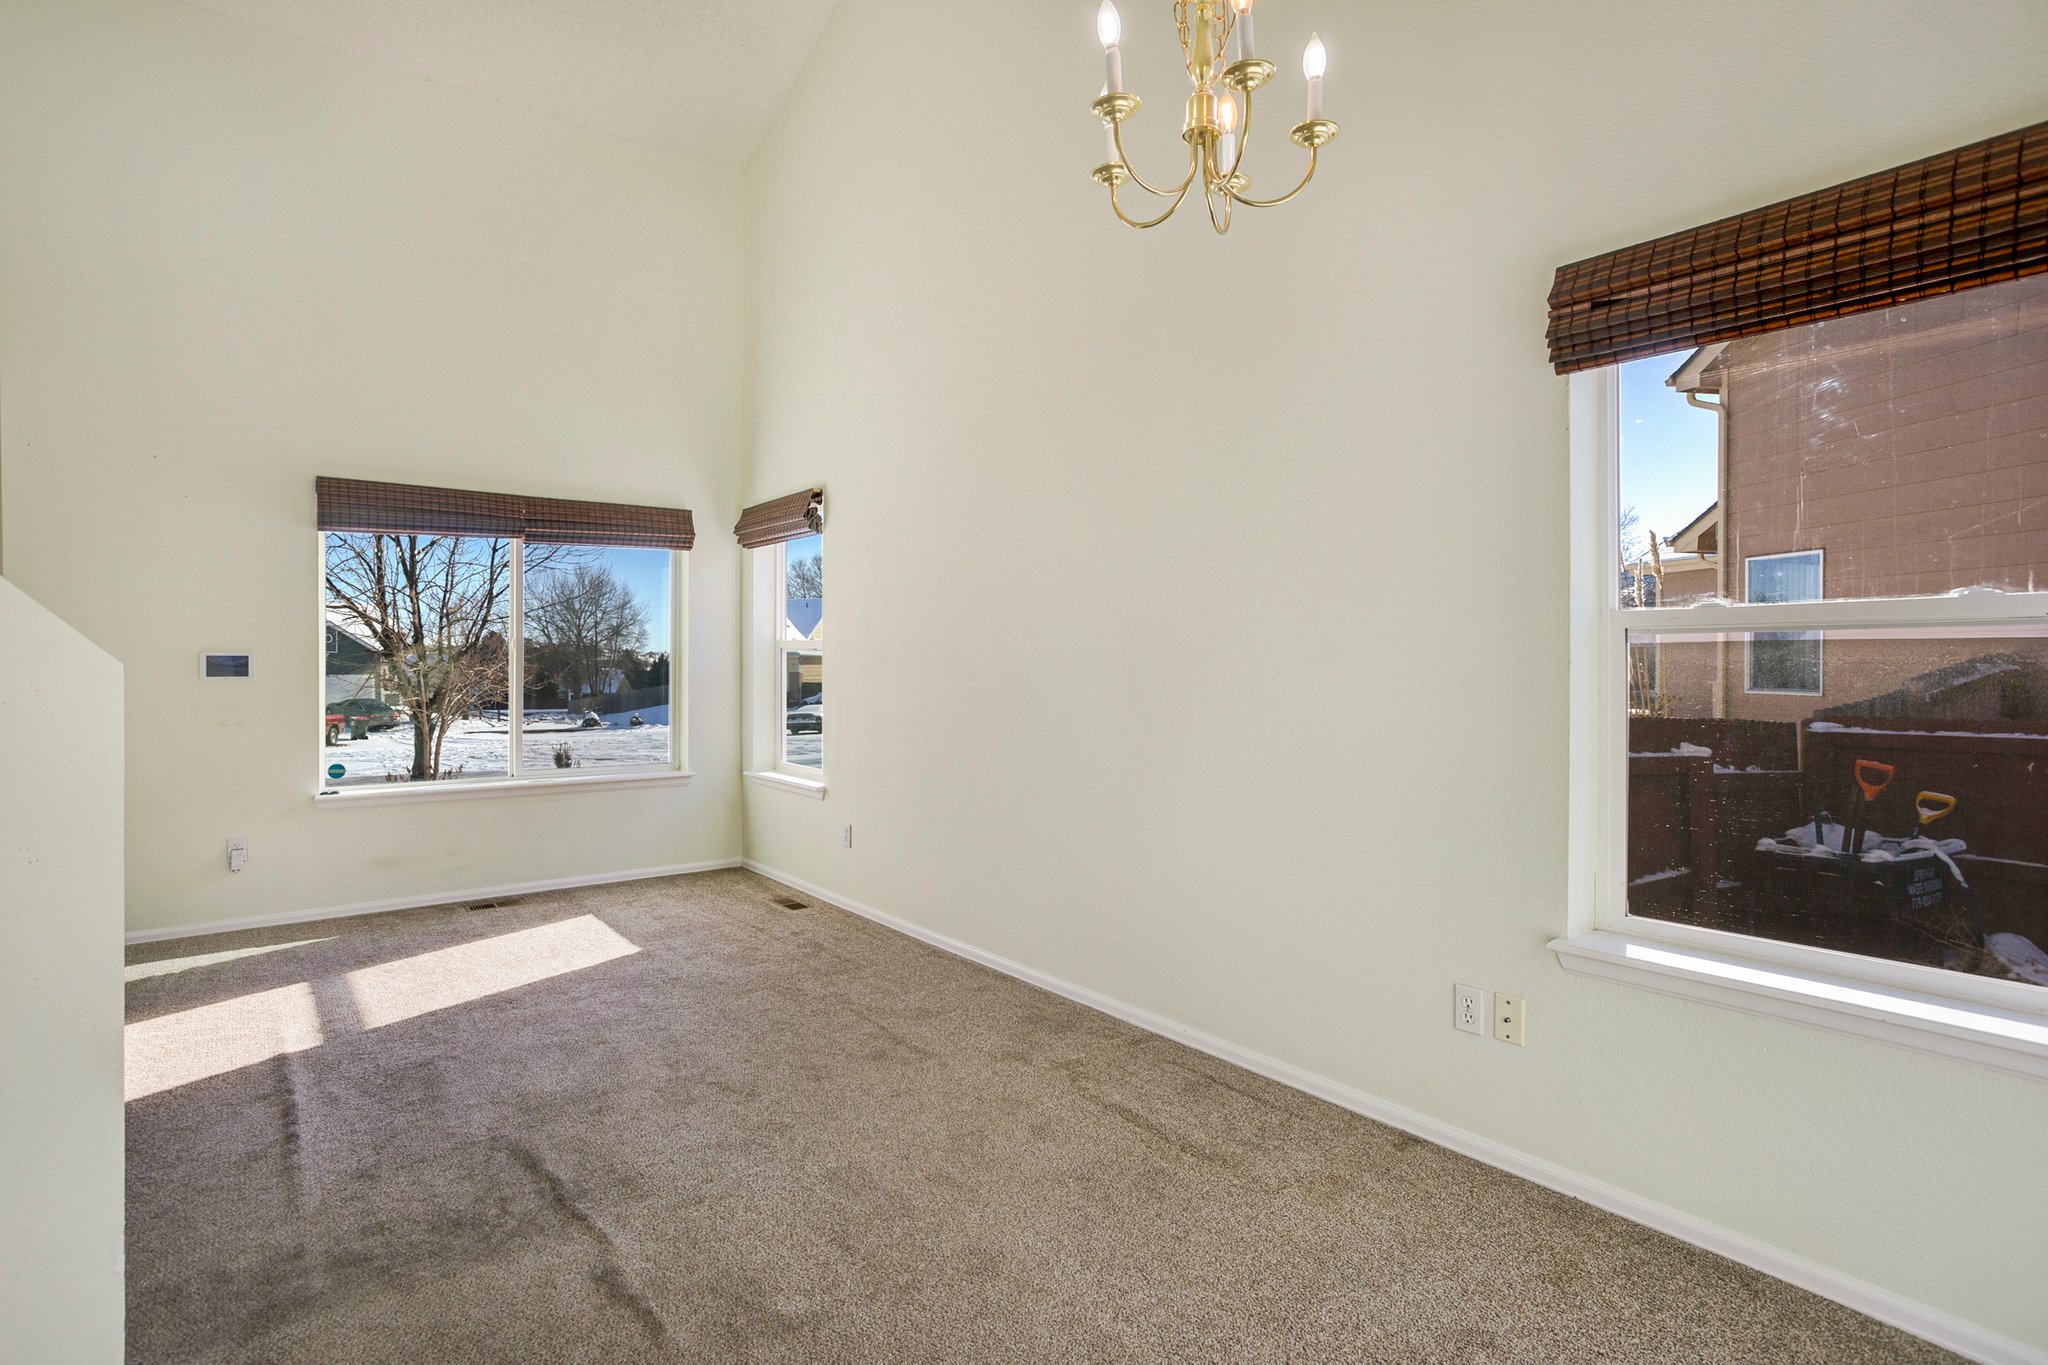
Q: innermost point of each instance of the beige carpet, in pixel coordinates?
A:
(675, 1120)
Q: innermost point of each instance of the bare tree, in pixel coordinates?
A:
(434, 608)
(807, 577)
(580, 620)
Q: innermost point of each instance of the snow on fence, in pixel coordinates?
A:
(1702, 792)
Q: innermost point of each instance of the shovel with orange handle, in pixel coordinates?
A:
(1873, 777)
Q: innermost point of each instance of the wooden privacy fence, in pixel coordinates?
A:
(1694, 820)
(1693, 823)
(1998, 773)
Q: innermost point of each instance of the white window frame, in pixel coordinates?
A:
(674, 769)
(766, 764)
(2003, 1024)
(1749, 645)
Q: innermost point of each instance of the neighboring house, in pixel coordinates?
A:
(351, 667)
(804, 682)
(1887, 454)
(803, 614)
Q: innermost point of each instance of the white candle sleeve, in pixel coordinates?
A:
(1244, 37)
(1113, 60)
(1315, 98)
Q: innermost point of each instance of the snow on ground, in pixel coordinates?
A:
(804, 750)
(479, 748)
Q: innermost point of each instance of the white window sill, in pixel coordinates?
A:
(802, 786)
(398, 793)
(2012, 1040)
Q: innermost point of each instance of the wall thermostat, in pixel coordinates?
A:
(223, 665)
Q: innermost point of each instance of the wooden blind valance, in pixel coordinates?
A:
(407, 509)
(1974, 216)
(779, 519)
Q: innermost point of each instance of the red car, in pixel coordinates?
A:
(344, 716)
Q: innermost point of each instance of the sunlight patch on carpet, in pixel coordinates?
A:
(178, 1049)
(412, 986)
(165, 966)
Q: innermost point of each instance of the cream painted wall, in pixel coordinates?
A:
(229, 263)
(1170, 653)
(60, 994)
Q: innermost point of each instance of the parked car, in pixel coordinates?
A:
(344, 716)
(806, 720)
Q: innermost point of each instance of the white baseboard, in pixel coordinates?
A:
(1931, 1324)
(480, 893)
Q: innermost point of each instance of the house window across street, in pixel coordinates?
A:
(1785, 661)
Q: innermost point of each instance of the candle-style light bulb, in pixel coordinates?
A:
(1315, 60)
(1109, 26)
(1226, 123)
(1242, 30)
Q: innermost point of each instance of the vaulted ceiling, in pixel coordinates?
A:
(699, 77)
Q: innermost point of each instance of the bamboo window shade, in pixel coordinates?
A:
(1974, 216)
(408, 509)
(781, 519)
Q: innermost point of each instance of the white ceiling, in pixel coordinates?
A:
(700, 77)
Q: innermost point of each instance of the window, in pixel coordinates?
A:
(1840, 402)
(1784, 661)
(800, 656)
(786, 664)
(536, 654)
(1893, 807)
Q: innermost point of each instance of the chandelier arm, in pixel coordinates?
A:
(1171, 209)
(1223, 226)
(1275, 203)
(1117, 131)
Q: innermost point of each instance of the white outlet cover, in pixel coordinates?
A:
(1469, 1010)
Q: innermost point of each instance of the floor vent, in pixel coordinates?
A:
(791, 903)
(488, 905)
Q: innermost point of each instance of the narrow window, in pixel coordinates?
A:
(800, 652)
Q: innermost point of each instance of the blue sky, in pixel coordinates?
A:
(806, 548)
(1667, 447)
(646, 573)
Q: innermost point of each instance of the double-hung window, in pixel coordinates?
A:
(480, 638)
(800, 655)
(786, 538)
(1811, 760)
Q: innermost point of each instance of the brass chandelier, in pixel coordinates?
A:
(1219, 118)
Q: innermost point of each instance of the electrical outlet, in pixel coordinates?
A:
(1510, 1019)
(1469, 1010)
(846, 836)
(238, 853)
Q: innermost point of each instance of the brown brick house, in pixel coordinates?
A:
(1893, 453)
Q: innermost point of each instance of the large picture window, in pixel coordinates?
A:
(1872, 489)
(453, 656)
